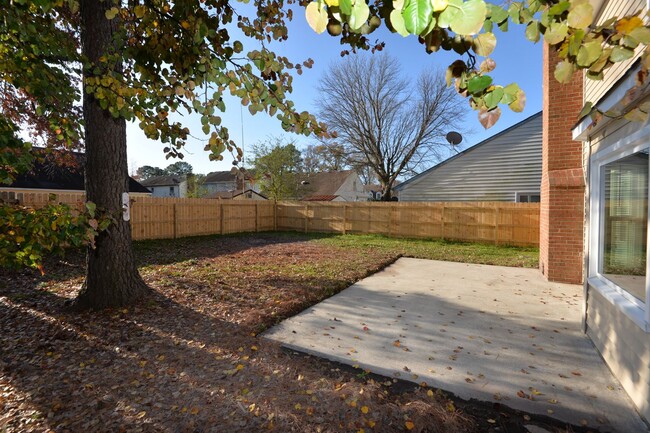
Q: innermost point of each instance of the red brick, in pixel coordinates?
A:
(562, 201)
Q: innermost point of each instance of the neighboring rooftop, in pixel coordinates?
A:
(325, 184)
(49, 175)
(226, 195)
(164, 180)
(222, 176)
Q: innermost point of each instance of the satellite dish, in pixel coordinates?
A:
(454, 138)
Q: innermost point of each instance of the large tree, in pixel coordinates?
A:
(278, 164)
(384, 121)
(138, 61)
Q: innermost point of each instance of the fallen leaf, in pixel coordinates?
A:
(409, 425)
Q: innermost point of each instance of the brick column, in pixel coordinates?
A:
(562, 201)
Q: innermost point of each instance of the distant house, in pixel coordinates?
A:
(225, 181)
(333, 186)
(504, 167)
(248, 194)
(49, 176)
(167, 186)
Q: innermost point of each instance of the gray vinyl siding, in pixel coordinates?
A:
(594, 89)
(494, 170)
(623, 345)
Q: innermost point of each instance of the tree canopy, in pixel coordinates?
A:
(466, 27)
(278, 164)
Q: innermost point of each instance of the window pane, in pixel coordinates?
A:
(625, 223)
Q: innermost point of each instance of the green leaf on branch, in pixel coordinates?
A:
(346, 7)
(464, 18)
(479, 83)
(416, 14)
(484, 44)
(489, 118)
(586, 109)
(316, 17)
(559, 8)
(564, 71)
(641, 34)
(620, 54)
(510, 93)
(589, 53)
(497, 14)
(91, 207)
(397, 22)
(556, 33)
(581, 16)
(359, 16)
(493, 98)
(532, 31)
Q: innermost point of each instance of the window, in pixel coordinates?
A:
(528, 197)
(618, 224)
(625, 223)
(171, 191)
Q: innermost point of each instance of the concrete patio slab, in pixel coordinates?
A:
(487, 332)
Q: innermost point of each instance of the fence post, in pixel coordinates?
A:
(175, 219)
(221, 218)
(257, 212)
(345, 217)
(496, 224)
(442, 219)
(275, 216)
(305, 215)
(390, 219)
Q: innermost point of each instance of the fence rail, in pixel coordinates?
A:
(168, 218)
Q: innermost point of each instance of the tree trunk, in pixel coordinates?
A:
(112, 278)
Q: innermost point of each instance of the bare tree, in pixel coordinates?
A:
(391, 124)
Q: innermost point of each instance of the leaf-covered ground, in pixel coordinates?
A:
(188, 358)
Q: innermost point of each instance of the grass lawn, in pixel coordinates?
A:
(188, 358)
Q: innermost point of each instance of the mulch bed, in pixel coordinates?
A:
(188, 358)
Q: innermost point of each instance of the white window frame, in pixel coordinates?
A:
(519, 194)
(634, 309)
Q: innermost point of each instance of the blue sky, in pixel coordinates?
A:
(518, 60)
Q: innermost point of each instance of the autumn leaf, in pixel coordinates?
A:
(364, 409)
(625, 26)
(409, 425)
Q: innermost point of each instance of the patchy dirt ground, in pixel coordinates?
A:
(187, 358)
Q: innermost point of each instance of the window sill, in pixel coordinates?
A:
(634, 312)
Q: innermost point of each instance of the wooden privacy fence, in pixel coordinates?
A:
(168, 218)
(492, 222)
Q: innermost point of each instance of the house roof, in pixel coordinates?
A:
(469, 149)
(222, 176)
(47, 174)
(326, 183)
(320, 198)
(235, 193)
(165, 180)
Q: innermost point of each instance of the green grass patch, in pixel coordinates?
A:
(526, 257)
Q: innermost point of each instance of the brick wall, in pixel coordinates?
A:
(562, 201)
